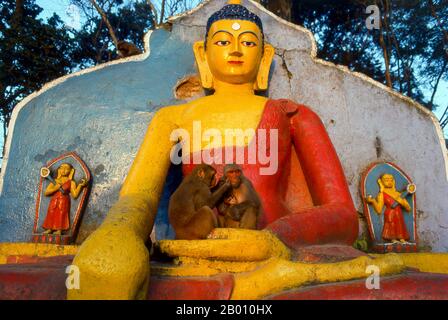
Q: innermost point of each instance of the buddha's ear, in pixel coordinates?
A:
(201, 61)
(265, 67)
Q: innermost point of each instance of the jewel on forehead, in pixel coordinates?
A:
(236, 26)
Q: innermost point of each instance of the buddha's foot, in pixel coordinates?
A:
(279, 275)
(48, 231)
(58, 232)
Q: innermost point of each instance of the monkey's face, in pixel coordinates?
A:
(208, 175)
(234, 177)
(212, 181)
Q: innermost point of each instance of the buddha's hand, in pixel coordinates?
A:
(114, 261)
(262, 243)
(370, 199)
(83, 182)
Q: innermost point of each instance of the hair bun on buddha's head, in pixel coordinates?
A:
(234, 11)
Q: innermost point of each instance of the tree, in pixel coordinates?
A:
(409, 51)
(97, 43)
(32, 52)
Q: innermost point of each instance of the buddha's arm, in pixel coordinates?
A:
(333, 219)
(148, 172)
(114, 261)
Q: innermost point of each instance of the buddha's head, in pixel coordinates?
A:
(234, 50)
(388, 180)
(64, 170)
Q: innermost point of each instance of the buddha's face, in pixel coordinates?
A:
(388, 180)
(234, 51)
(64, 170)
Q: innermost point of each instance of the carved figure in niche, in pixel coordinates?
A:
(390, 213)
(240, 206)
(60, 190)
(61, 199)
(394, 202)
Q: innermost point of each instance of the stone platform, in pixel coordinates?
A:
(38, 278)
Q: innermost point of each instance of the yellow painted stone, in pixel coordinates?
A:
(34, 250)
(219, 265)
(228, 245)
(279, 275)
(425, 262)
(183, 271)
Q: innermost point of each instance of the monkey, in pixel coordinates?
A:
(127, 49)
(190, 207)
(241, 205)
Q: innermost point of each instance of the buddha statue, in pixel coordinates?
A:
(302, 187)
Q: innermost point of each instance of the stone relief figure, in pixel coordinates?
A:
(394, 228)
(286, 151)
(60, 190)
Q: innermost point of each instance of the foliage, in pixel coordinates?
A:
(32, 52)
(130, 21)
(408, 52)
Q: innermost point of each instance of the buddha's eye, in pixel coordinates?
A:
(249, 44)
(222, 43)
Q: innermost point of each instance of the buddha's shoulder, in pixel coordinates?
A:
(291, 107)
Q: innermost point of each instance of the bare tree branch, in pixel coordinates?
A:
(155, 18)
(439, 23)
(109, 26)
(162, 11)
(436, 85)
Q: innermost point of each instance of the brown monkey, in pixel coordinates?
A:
(240, 206)
(190, 207)
(127, 49)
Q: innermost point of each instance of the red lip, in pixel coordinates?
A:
(235, 62)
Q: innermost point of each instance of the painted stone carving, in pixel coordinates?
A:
(284, 150)
(63, 192)
(390, 208)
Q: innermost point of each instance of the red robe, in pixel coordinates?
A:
(394, 225)
(59, 209)
(331, 217)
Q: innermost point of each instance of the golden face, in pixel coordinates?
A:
(64, 170)
(388, 180)
(234, 51)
